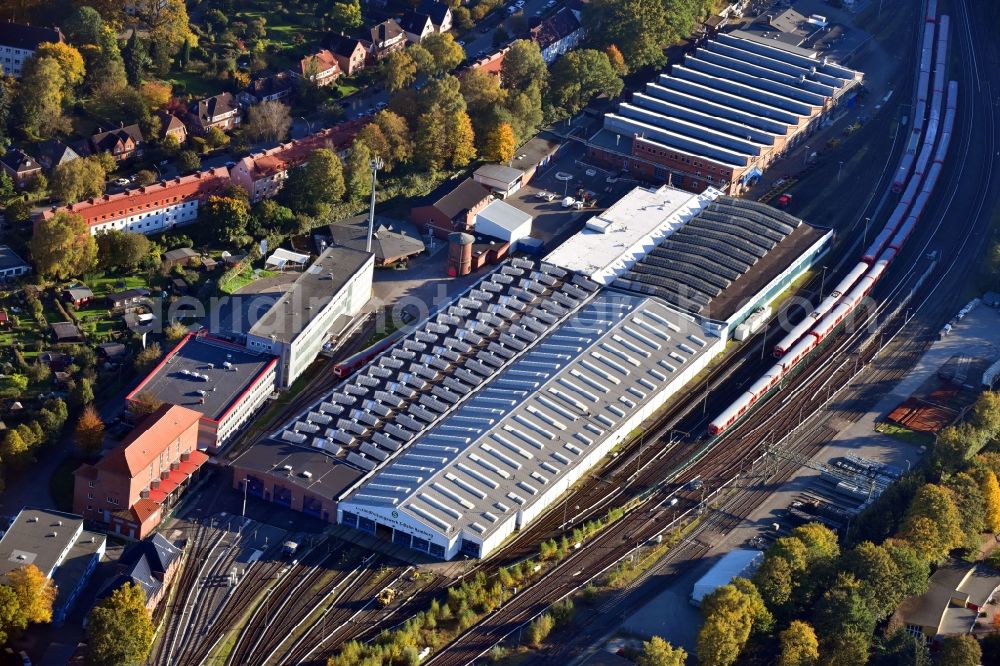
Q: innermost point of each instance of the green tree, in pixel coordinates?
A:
(991, 498)
(106, 73)
(961, 650)
(90, 431)
(84, 26)
(524, 112)
(499, 144)
(122, 249)
(446, 52)
(957, 444)
(578, 77)
(729, 619)
(10, 614)
(14, 446)
(77, 180)
(270, 120)
(775, 579)
(83, 392)
(168, 28)
(540, 628)
(188, 161)
(462, 18)
(396, 134)
(215, 138)
(523, 66)
(901, 648)
(119, 629)
(932, 523)
(971, 505)
(144, 403)
(226, 219)
(137, 59)
(70, 64)
(658, 652)
(482, 92)
(62, 246)
(399, 71)
(269, 215)
(879, 575)
(357, 174)
(346, 16)
(843, 612)
(799, 646)
(40, 102)
(986, 414)
(318, 184)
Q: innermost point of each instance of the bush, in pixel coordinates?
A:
(540, 628)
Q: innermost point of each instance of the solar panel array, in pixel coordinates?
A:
(703, 258)
(539, 418)
(386, 405)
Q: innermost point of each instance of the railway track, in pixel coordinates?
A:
(809, 390)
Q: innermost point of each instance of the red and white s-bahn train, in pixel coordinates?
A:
(853, 288)
(924, 74)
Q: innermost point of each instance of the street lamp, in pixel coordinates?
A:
(307, 122)
(864, 241)
(839, 169)
(374, 164)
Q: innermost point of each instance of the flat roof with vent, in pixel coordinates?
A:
(42, 537)
(311, 292)
(536, 419)
(307, 469)
(613, 240)
(206, 375)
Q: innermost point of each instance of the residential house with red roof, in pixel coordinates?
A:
(263, 174)
(152, 208)
(171, 125)
(320, 68)
(129, 489)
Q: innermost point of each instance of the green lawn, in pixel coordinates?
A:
(242, 279)
(198, 84)
(905, 434)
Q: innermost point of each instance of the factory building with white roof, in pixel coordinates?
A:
(482, 416)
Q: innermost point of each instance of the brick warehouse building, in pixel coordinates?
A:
(129, 489)
(721, 117)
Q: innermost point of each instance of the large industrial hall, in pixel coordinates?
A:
(482, 416)
(719, 118)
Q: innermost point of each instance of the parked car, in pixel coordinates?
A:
(122, 182)
(568, 202)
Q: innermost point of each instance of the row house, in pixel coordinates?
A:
(18, 42)
(263, 174)
(134, 485)
(320, 68)
(122, 143)
(350, 53)
(150, 209)
(221, 111)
